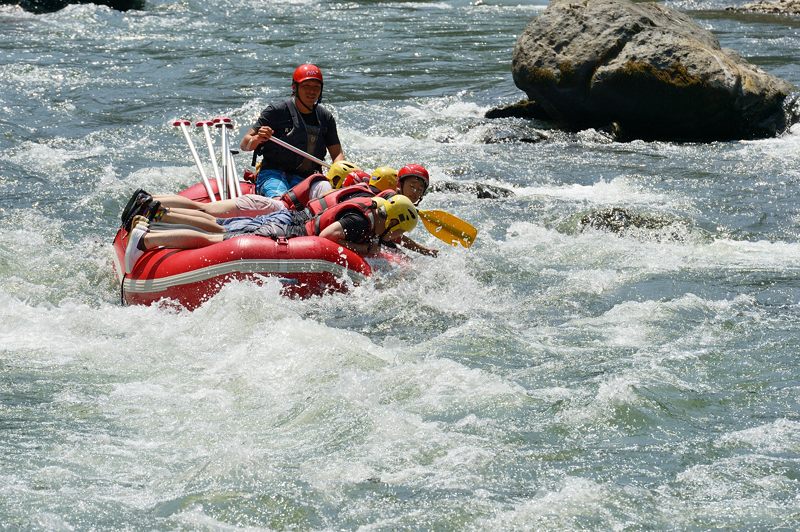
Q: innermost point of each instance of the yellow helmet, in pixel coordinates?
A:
(338, 171)
(384, 178)
(398, 208)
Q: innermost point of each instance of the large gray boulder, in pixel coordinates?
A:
(647, 71)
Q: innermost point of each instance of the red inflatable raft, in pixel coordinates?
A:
(305, 265)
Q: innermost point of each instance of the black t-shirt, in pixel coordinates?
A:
(280, 120)
(310, 118)
(356, 227)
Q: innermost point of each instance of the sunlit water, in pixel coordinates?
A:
(549, 377)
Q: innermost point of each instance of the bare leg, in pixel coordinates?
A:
(249, 205)
(198, 219)
(180, 239)
(174, 200)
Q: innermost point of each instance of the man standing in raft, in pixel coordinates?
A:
(299, 121)
(358, 224)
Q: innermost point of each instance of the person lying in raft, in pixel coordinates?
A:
(411, 181)
(358, 224)
(178, 209)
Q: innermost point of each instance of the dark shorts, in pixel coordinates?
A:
(286, 224)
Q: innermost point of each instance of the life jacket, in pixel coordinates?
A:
(363, 205)
(299, 195)
(335, 197)
(359, 190)
(295, 133)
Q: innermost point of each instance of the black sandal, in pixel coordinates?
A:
(140, 209)
(138, 197)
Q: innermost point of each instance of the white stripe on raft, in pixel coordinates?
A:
(249, 266)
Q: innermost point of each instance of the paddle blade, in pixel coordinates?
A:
(448, 228)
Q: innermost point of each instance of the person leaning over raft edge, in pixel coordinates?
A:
(300, 121)
(358, 224)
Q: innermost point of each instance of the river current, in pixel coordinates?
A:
(550, 377)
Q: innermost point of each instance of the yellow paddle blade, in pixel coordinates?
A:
(448, 228)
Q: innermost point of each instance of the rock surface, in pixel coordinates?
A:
(49, 6)
(774, 7)
(481, 190)
(645, 71)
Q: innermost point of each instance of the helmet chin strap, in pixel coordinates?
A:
(301, 102)
(385, 231)
(296, 94)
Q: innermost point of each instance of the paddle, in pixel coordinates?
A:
(448, 228)
(182, 124)
(445, 226)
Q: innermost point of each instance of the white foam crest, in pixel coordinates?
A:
(378, 150)
(779, 436)
(42, 266)
(567, 506)
(448, 283)
(552, 394)
(612, 393)
(244, 379)
(398, 443)
(15, 10)
(619, 190)
(450, 107)
(746, 256)
(35, 80)
(417, 6)
(420, 123)
(541, 248)
(747, 488)
(638, 324)
(37, 157)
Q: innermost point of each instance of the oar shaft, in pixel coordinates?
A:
(300, 152)
(210, 146)
(196, 157)
(234, 173)
(228, 177)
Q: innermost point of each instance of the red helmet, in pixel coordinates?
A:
(306, 72)
(414, 170)
(354, 177)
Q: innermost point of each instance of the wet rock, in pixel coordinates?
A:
(481, 190)
(644, 71)
(521, 109)
(500, 137)
(774, 7)
(627, 222)
(50, 6)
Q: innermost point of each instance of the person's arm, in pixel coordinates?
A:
(255, 138)
(336, 152)
(332, 141)
(419, 248)
(352, 230)
(336, 233)
(261, 131)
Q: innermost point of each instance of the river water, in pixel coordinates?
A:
(547, 378)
